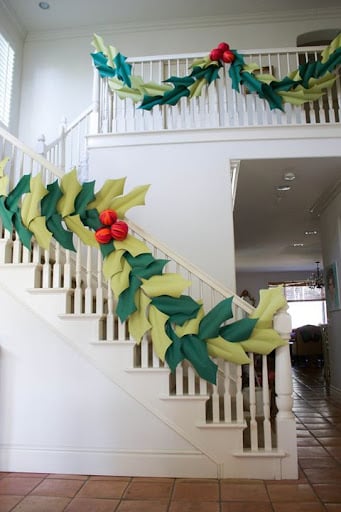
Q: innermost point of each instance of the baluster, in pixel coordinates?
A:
(252, 400)
(266, 404)
(227, 394)
(99, 289)
(215, 405)
(179, 380)
(88, 289)
(6, 248)
(36, 257)
(191, 380)
(156, 360)
(121, 330)
(46, 270)
(144, 352)
(67, 277)
(57, 268)
(202, 386)
(78, 293)
(239, 395)
(110, 315)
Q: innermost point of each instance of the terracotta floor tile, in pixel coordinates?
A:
(111, 478)
(41, 504)
(324, 475)
(29, 475)
(7, 502)
(307, 441)
(330, 441)
(291, 493)
(317, 462)
(148, 490)
(195, 490)
(298, 507)
(311, 451)
(335, 451)
(194, 506)
(247, 506)
(325, 432)
(67, 477)
(92, 505)
(142, 506)
(333, 507)
(328, 492)
(103, 489)
(243, 492)
(55, 487)
(18, 485)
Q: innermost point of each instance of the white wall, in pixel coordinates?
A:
(15, 36)
(331, 250)
(57, 72)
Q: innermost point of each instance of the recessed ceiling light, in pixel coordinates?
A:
(289, 176)
(298, 245)
(44, 5)
(309, 233)
(283, 188)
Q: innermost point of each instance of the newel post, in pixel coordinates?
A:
(62, 137)
(285, 419)
(94, 116)
(40, 145)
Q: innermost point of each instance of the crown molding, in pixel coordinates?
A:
(10, 14)
(205, 22)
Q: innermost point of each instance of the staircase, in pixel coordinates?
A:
(79, 396)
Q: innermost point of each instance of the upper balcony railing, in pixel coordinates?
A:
(219, 106)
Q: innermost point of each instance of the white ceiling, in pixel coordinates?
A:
(87, 13)
(266, 225)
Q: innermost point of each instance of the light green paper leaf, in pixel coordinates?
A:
(3, 178)
(105, 195)
(31, 203)
(98, 43)
(166, 284)
(160, 339)
(251, 67)
(153, 89)
(75, 225)
(134, 198)
(40, 231)
(263, 341)
(120, 281)
(201, 62)
(334, 45)
(131, 244)
(138, 321)
(112, 264)
(266, 78)
(191, 326)
(271, 300)
(70, 187)
(233, 352)
(196, 88)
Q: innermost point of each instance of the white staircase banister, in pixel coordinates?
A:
(29, 152)
(70, 126)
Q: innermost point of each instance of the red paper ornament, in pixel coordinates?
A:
(223, 47)
(216, 54)
(119, 230)
(103, 235)
(228, 57)
(108, 217)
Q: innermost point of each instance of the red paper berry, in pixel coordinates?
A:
(119, 230)
(228, 57)
(108, 217)
(223, 47)
(216, 54)
(103, 235)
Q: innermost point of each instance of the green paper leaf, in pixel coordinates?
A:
(126, 304)
(106, 249)
(105, 195)
(85, 196)
(75, 224)
(179, 309)
(233, 352)
(48, 204)
(210, 324)
(101, 63)
(70, 187)
(195, 350)
(174, 354)
(123, 69)
(185, 81)
(21, 188)
(90, 218)
(135, 197)
(209, 73)
(63, 237)
(25, 234)
(238, 331)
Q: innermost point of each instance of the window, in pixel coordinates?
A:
(6, 79)
(306, 305)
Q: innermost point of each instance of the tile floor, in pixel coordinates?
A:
(317, 489)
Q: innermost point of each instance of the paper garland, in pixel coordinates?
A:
(151, 301)
(307, 83)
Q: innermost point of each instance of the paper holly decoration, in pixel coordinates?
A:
(149, 299)
(307, 83)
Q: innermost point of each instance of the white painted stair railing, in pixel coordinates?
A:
(254, 425)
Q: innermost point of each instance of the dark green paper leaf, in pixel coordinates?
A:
(6, 215)
(49, 202)
(24, 234)
(100, 61)
(210, 324)
(63, 236)
(179, 309)
(21, 188)
(126, 301)
(85, 196)
(240, 330)
(123, 69)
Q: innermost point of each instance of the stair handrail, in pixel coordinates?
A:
(9, 137)
(224, 291)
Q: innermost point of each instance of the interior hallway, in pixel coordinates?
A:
(318, 488)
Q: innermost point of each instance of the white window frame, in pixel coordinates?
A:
(7, 56)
